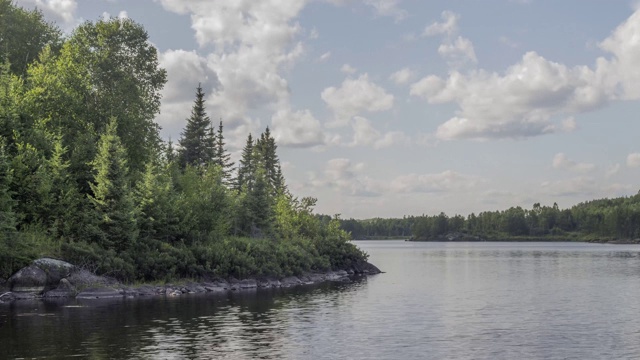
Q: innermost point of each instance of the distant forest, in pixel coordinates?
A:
(597, 220)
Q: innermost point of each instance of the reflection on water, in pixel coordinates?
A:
(436, 300)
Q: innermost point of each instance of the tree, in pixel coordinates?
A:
(222, 157)
(126, 81)
(23, 34)
(247, 166)
(266, 147)
(197, 141)
(111, 197)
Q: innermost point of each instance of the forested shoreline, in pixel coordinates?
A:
(603, 220)
(86, 178)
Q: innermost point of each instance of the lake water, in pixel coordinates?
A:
(435, 301)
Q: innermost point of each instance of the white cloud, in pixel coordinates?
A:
(324, 57)
(348, 69)
(434, 183)
(448, 26)
(526, 99)
(633, 160)
(59, 10)
(624, 45)
(458, 52)
(509, 42)
(364, 134)
(561, 161)
(402, 76)
(519, 103)
(297, 129)
(388, 8)
(355, 96)
(254, 41)
(342, 174)
(569, 124)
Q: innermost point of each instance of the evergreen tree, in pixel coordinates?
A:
(267, 147)
(111, 197)
(246, 168)
(223, 158)
(196, 141)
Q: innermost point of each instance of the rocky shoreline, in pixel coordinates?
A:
(50, 278)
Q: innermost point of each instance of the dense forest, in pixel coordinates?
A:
(85, 177)
(597, 220)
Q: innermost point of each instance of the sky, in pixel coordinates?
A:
(386, 108)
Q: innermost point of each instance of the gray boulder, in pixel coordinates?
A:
(28, 279)
(64, 289)
(364, 267)
(56, 270)
(83, 279)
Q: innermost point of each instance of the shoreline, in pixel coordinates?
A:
(64, 280)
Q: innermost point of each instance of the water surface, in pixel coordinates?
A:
(436, 300)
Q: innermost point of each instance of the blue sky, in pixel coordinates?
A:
(391, 107)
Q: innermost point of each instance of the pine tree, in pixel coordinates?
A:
(246, 168)
(196, 141)
(112, 199)
(223, 158)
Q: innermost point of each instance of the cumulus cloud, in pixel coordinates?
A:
(388, 8)
(402, 76)
(458, 52)
(348, 69)
(364, 134)
(344, 175)
(253, 41)
(59, 10)
(527, 98)
(448, 26)
(561, 161)
(297, 129)
(354, 97)
(519, 103)
(633, 160)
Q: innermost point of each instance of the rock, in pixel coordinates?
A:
(83, 279)
(28, 279)
(364, 267)
(99, 293)
(64, 289)
(56, 270)
(7, 297)
(24, 296)
(290, 281)
(147, 290)
(248, 284)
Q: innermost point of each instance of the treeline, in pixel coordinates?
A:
(85, 177)
(379, 228)
(597, 220)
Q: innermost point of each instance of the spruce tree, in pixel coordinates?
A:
(196, 142)
(267, 147)
(223, 158)
(112, 199)
(246, 168)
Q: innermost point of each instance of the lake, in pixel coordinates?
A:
(435, 301)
